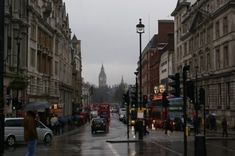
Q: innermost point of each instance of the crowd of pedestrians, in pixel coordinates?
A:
(64, 123)
(57, 124)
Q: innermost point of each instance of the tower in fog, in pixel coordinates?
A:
(102, 78)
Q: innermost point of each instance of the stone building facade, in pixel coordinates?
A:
(204, 39)
(77, 76)
(37, 48)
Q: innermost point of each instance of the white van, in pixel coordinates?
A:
(122, 114)
(14, 131)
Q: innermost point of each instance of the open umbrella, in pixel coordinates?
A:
(213, 114)
(33, 106)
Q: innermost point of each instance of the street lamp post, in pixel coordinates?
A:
(1, 77)
(18, 39)
(140, 30)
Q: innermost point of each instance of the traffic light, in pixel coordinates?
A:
(19, 105)
(14, 103)
(175, 84)
(191, 91)
(201, 96)
(133, 115)
(145, 100)
(134, 98)
(126, 98)
(165, 101)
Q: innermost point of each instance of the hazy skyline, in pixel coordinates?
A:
(107, 30)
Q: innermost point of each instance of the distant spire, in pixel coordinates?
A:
(74, 38)
(122, 81)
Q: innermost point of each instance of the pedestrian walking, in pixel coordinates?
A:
(145, 127)
(30, 132)
(167, 125)
(213, 122)
(225, 127)
(54, 124)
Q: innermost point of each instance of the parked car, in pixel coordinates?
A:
(99, 124)
(14, 131)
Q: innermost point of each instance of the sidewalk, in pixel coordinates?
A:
(160, 136)
(212, 134)
(153, 135)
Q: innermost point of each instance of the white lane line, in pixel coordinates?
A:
(113, 150)
(169, 149)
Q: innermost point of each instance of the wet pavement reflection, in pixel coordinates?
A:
(81, 142)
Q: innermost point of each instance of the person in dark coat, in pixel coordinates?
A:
(167, 125)
(225, 127)
(30, 132)
(145, 127)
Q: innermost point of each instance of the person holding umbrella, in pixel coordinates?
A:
(30, 132)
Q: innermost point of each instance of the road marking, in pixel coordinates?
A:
(167, 148)
(113, 150)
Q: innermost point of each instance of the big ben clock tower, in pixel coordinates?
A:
(102, 77)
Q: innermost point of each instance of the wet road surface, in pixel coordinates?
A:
(81, 142)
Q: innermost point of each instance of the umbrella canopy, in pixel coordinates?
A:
(33, 106)
(213, 114)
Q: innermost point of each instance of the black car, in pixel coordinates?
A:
(99, 124)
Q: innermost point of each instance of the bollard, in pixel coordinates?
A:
(141, 130)
(200, 145)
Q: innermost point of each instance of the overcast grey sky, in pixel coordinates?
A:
(107, 30)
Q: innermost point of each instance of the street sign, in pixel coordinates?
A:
(140, 114)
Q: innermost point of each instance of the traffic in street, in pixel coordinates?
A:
(81, 141)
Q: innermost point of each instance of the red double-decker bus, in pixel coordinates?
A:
(157, 113)
(104, 111)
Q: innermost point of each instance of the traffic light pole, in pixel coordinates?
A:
(204, 118)
(185, 69)
(128, 117)
(196, 104)
(1, 77)
(127, 102)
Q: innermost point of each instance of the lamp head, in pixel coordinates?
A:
(140, 27)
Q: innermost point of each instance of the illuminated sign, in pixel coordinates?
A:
(159, 89)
